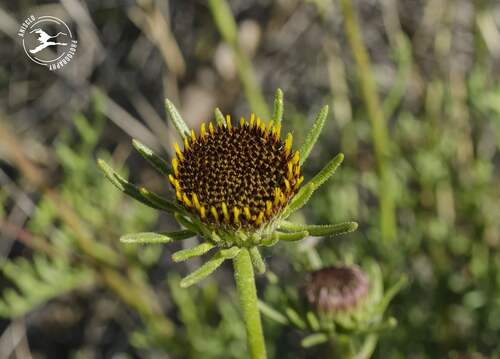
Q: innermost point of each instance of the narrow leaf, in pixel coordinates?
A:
(280, 236)
(314, 339)
(305, 193)
(209, 267)
(219, 117)
(320, 230)
(124, 186)
(313, 134)
(185, 254)
(272, 313)
(179, 235)
(257, 260)
(157, 162)
(159, 202)
(186, 223)
(201, 273)
(180, 125)
(390, 294)
(278, 107)
(146, 238)
(313, 321)
(327, 171)
(300, 199)
(294, 318)
(291, 237)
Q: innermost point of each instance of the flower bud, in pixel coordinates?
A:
(336, 289)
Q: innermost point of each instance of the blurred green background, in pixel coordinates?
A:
(414, 106)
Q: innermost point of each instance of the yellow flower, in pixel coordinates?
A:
(236, 176)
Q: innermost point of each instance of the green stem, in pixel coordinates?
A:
(245, 282)
(377, 119)
(226, 24)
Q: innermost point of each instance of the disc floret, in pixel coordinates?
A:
(236, 177)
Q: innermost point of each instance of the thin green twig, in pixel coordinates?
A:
(376, 116)
(226, 24)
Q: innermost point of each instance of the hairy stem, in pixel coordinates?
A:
(245, 282)
(377, 119)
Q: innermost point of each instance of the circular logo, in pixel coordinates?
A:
(47, 41)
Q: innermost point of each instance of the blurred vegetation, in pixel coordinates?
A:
(414, 91)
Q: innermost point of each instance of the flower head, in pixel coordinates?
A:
(236, 176)
(235, 186)
(336, 289)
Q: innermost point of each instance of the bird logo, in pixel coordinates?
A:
(48, 41)
(45, 40)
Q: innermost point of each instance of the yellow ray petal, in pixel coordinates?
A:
(213, 210)
(296, 157)
(186, 200)
(269, 207)
(225, 212)
(203, 130)
(299, 182)
(287, 185)
(277, 195)
(194, 198)
(248, 215)
(236, 214)
(175, 166)
(288, 144)
(258, 221)
(277, 132)
(178, 152)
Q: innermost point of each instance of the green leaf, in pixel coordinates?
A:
(305, 193)
(299, 200)
(257, 260)
(157, 162)
(278, 107)
(320, 230)
(160, 202)
(180, 125)
(209, 267)
(187, 223)
(146, 238)
(294, 318)
(314, 339)
(124, 186)
(219, 117)
(313, 134)
(272, 313)
(38, 281)
(157, 238)
(390, 294)
(280, 236)
(313, 321)
(179, 235)
(197, 251)
(291, 237)
(327, 171)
